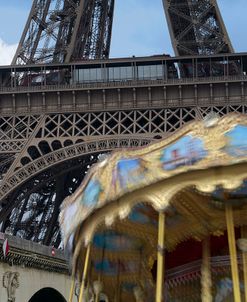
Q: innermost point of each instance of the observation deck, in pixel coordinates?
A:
(119, 84)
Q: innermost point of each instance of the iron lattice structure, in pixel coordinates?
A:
(66, 30)
(197, 27)
(53, 130)
(74, 30)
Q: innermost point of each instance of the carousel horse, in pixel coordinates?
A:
(96, 293)
(225, 290)
(87, 295)
(139, 294)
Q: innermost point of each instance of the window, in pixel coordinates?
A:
(120, 73)
(88, 75)
(153, 72)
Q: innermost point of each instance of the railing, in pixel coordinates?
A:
(119, 84)
(183, 283)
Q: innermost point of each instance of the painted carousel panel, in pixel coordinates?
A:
(92, 193)
(237, 141)
(69, 213)
(129, 173)
(187, 151)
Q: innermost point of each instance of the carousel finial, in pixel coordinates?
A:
(211, 119)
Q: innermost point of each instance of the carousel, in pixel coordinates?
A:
(165, 222)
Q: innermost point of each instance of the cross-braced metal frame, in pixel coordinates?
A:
(197, 27)
(66, 30)
(74, 30)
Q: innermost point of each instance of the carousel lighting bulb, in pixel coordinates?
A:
(97, 287)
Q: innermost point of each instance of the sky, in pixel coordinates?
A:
(139, 27)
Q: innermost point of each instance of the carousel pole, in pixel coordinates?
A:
(233, 252)
(101, 270)
(206, 281)
(72, 290)
(160, 258)
(84, 276)
(244, 255)
(97, 297)
(118, 281)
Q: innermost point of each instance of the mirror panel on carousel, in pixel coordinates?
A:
(166, 222)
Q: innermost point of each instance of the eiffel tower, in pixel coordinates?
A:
(64, 103)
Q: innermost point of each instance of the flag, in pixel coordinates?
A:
(5, 248)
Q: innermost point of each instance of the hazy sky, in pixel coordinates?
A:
(139, 26)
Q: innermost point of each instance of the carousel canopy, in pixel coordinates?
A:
(189, 175)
